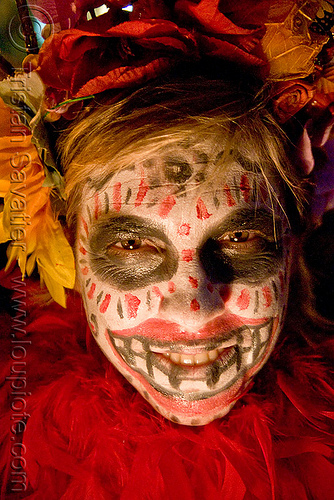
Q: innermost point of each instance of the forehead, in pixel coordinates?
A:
(184, 179)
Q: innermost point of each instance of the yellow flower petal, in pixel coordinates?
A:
(4, 187)
(31, 264)
(27, 212)
(56, 290)
(56, 256)
(4, 236)
(16, 253)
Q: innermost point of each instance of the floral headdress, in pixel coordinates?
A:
(93, 45)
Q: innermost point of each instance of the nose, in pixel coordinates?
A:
(195, 301)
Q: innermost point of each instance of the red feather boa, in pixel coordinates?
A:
(91, 436)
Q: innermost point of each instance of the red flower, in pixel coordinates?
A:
(86, 62)
(291, 97)
(217, 35)
(119, 50)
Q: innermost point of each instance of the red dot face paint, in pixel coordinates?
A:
(166, 206)
(117, 196)
(85, 226)
(187, 254)
(267, 296)
(194, 305)
(225, 293)
(132, 303)
(201, 210)
(184, 230)
(175, 334)
(245, 188)
(230, 200)
(142, 190)
(243, 300)
(156, 290)
(92, 289)
(193, 282)
(105, 303)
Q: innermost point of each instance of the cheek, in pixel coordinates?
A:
(264, 300)
(107, 307)
(268, 298)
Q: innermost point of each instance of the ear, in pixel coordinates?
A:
(289, 98)
(315, 135)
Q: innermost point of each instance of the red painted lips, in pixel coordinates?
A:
(159, 329)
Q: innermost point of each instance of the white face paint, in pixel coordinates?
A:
(184, 278)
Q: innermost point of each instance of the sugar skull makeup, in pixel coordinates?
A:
(183, 269)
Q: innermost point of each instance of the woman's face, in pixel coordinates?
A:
(184, 272)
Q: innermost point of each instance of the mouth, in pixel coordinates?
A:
(194, 369)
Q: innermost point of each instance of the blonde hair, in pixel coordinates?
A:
(109, 136)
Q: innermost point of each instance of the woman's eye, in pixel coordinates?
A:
(238, 236)
(243, 241)
(130, 244)
(134, 245)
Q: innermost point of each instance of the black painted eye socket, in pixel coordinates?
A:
(130, 253)
(243, 255)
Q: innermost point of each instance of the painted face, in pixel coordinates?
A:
(184, 274)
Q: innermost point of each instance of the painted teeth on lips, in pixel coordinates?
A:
(201, 358)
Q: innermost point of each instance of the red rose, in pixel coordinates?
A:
(87, 62)
(110, 52)
(290, 98)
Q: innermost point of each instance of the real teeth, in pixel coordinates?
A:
(193, 359)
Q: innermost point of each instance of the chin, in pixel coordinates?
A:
(194, 412)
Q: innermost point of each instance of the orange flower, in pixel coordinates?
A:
(27, 220)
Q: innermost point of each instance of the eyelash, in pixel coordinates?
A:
(135, 245)
(251, 241)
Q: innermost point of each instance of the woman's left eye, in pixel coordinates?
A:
(243, 241)
(238, 236)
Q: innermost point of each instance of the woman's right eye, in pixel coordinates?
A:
(132, 244)
(135, 245)
(244, 241)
